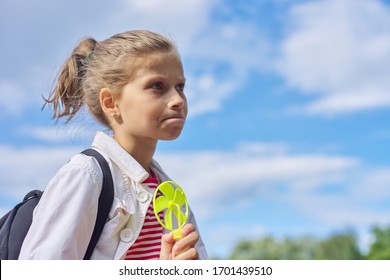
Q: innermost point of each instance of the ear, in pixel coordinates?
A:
(109, 103)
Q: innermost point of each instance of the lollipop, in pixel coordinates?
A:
(170, 199)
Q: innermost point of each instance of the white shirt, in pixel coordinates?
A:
(64, 219)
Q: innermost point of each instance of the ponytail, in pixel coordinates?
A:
(67, 97)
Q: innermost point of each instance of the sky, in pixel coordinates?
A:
(288, 126)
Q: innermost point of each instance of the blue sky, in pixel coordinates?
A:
(288, 128)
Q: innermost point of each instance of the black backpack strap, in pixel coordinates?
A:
(105, 200)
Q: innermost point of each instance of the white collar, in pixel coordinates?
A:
(117, 154)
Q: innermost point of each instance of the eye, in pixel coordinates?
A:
(180, 87)
(157, 86)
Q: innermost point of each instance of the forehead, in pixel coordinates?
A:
(158, 63)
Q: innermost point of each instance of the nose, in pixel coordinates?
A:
(177, 100)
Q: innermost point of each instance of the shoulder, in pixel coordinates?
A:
(83, 165)
(79, 179)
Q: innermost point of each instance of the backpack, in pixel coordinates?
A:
(15, 224)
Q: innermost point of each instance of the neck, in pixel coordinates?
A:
(142, 150)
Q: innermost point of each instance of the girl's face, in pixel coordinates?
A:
(152, 105)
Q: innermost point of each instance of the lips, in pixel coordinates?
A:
(174, 117)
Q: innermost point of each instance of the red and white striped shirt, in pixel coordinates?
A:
(148, 244)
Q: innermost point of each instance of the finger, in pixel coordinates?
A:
(187, 229)
(190, 254)
(167, 243)
(188, 242)
(185, 243)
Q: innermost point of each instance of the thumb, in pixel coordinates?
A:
(167, 243)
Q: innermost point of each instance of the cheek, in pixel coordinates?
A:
(186, 108)
(141, 116)
(130, 114)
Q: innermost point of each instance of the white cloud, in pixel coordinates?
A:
(208, 47)
(334, 190)
(82, 130)
(51, 134)
(339, 210)
(16, 99)
(215, 176)
(373, 186)
(206, 93)
(184, 20)
(222, 242)
(23, 169)
(220, 61)
(337, 52)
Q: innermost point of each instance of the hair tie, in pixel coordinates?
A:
(88, 58)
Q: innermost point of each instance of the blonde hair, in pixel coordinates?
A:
(95, 65)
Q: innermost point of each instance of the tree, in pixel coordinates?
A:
(343, 246)
(268, 248)
(380, 248)
(303, 248)
(263, 249)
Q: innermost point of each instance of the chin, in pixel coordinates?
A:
(171, 136)
(171, 129)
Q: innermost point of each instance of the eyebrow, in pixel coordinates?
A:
(164, 77)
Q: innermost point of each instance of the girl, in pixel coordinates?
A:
(133, 83)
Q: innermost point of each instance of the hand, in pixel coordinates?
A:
(182, 249)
